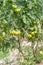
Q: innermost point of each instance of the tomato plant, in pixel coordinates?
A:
(20, 18)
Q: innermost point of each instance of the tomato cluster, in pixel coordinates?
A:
(16, 9)
(18, 17)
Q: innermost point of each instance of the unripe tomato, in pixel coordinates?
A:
(32, 28)
(19, 32)
(1, 39)
(35, 22)
(38, 22)
(41, 52)
(14, 6)
(3, 34)
(21, 61)
(17, 10)
(29, 36)
(33, 33)
(13, 32)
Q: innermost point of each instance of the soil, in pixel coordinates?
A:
(13, 56)
(40, 63)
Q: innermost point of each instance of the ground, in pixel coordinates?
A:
(13, 56)
(40, 63)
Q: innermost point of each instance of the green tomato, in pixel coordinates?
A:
(17, 10)
(35, 22)
(3, 34)
(13, 32)
(32, 28)
(33, 33)
(14, 6)
(38, 22)
(29, 36)
(1, 39)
